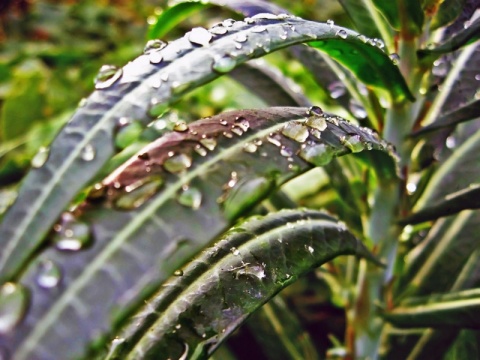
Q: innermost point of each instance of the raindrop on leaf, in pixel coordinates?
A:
(190, 197)
(241, 37)
(88, 153)
(228, 22)
(223, 64)
(318, 154)
(330, 23)
(13, 305)
(180, 126)
(177, 163)
(107, 76)
(296, 131)
(353, 143)
(49, 274)
(250, 147)
(41, 157)
(336, 89)
(139, 192)
(209, 143)
(341, 33)
(156, 44)
(219, 30)
(395, 58)
(71, 234)
(178, 273)
(199, 36)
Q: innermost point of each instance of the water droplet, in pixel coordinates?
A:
(286, 152)
(341, 33)
(200, 150)
(232, 182)
(180, 126)
(330, 23)
(258, 29)
(219, 30)
(199, 36)
(223, 64)
(315, 111)
(155, 57)
(379, 43)
(250, 147)
(71, 234)
(440, 68)
(40, 157)
(296, 131)
(317, 123)
(241, 37)
(190, 197)
(357, 110)
(477, 77)
(228, 22)
(362, 38)
(395, 58)
(318, 154)
(107, 76)
(49, 274)
(156, 44)
(235, 251)
(138, 193)
(310, 249)
(241, 122)
(451, 142)
(178, 273)
(411, 188)
(266, 16)
(88, 153)
(336, 89)
(209, 143)
(13, 305)
(274, 139)
(236, 130)
(227, 135)
(251, 270)
(178, 163)
(353, 143)
(179, 87)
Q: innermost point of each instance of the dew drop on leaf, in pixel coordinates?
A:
(40, 157)
(341, 33)
(257, 271)
(237, 130)
(190, 197)
(223, 64)
(228, 22)
(200, 150)
(258, 29)
(180, 126)
(88, 153)
(139, 192)
(155, 44)
(177, 163)
(199, 36)
(317, 154)
(71, 234)
(357, 110)
(219, 30)
(241, 37)
(317, 122)
(330, 23)
(395, 58)
(296, 131)
(235, 251)
(49, 274)
(336, 89)
(250, 147)
(13, 306)
(315, 111)
(155, 57)
(353, 143)
(209, 143)
(440, 68)
(274, 139)
(241, 122)
(107, 76)
(265, 16)
(178, 273)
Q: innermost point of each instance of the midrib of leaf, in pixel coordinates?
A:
(149, 211)
(447, 86)
(198, 284)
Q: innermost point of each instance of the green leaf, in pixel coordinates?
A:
(465, 37)
(219, 289)
(405, 15)
(141, 89)
(468, 112)
(359, 12)
(449, 10)
(450, 310)
(163, 206)
(453, 203)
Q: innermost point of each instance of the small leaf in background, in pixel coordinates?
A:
(448, 11)
(403, 15)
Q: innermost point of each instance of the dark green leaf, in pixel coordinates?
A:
(450, 310)
(468, 198)
(465, 37)
(406, 15)
(361, 17)
(449, 10)
(143, 88)
(163, 206)
(219, 289)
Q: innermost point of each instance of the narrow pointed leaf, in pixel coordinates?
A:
(465, 37)
(220, 288)
(140, 90)
(468, 112)
(458, 310)
(464, 199)
(449, 10)
(402, 14)
(163, 206)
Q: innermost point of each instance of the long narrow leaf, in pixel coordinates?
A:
(220, 288)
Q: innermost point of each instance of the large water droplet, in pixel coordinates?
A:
(296, 131)
(13, 304)
(337, 89)
(241, 122)
(209, 143)
(155, 57)
(250, 147)
(71, 234)
(341, 33)
(190, 197)
(40, 157)
(48, 275)
(258, 29)
(139, 192)
(223, 64)
(219, 30)
(317, 122)
(180, 126)
(317, 154)
(357, 109)
(199, 36)
(107, 76)
(228, 22)
(315, 111)
(178, 163)
(353, 143)
(154, 45)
